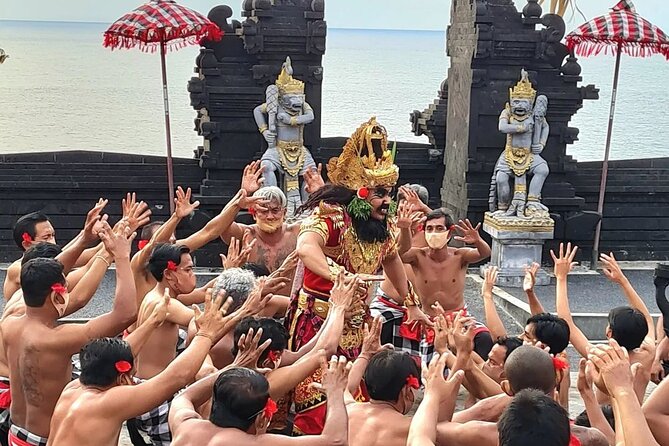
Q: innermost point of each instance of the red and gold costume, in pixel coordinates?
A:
(364, 162)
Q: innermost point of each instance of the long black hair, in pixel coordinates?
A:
(330, 194)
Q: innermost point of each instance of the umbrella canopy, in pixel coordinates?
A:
(166, 25)
(621, 31)
(160, 22)
(621, 28)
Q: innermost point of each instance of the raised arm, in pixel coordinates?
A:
(615, 274)
(492, 319)
(310, 249)
(406, 218)
(156, 313)
(528, 286)
(470, 235)
(563, 265)
(89, 281)
(592, 407)
(71, 253)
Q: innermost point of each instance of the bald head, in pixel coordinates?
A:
(530, 368)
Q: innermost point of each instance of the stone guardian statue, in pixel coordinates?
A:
(281, 120)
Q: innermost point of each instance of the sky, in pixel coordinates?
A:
(365, 14)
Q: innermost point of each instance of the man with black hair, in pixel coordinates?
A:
(533, 418)
(552, 331)
(39, 350)
(500, 352)
(242, 410)
(105, 395)
(441, 270)
(631, 326)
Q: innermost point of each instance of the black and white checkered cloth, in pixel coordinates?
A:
(24, 435)
(154, 424)
(393, 315)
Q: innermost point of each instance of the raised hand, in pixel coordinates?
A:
(288, 266)
(611, 268)
(237, 256)
(344, 290)
(613, 365)
(371, 342)
(441, 343)
(313, 179)
(565, 261)
(252, 178)
(243, 200)
(530, 279)
(412, 198)
(407, 216)
(249, 352)
(468, 233)
(335, 375)
(211, 323)
(463, 334)
(136, 214)
(117, 243)
(183, 206)
(490, 280)
(446, 390)
(256, 302)
(584, 382)
(92, 226)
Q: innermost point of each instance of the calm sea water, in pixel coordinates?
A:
(60, 90)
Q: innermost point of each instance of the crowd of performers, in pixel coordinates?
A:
(322, 331)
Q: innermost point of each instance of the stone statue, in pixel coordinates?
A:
(526, 129)
(281, 120)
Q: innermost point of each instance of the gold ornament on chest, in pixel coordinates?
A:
(364, 257)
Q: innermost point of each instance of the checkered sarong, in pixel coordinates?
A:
(393, 316)
(154, 422)
(19, 436)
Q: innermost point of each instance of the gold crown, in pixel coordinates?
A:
(286, 83)
(523, 89)
(365, 160)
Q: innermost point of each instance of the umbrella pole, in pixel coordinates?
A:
(605, 164)
(170, 172)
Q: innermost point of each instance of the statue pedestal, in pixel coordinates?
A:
(516, 243)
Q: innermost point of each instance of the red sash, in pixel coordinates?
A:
(5, 396)
(16, 441)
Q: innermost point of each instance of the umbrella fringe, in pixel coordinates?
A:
(586, 46)
(174, 38)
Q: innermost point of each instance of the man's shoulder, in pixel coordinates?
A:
(589, 436)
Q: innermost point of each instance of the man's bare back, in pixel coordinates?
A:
(440, 277)
(376, 424)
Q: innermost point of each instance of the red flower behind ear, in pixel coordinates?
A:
(142, 244)
(252, 211)
(412, 382)
(273, 355)
(270, 409)
(59, 288)
(560, 364)
(171, 265)
(363, 193)
(122, 366)
(26, 237)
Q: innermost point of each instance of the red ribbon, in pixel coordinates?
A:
(363, 193)
(560, 364)
(59, 288)
(171, 265)
(270, 409)
(122, 366)
(26, 237)
(142, 244)
(412, 382)
(273, 355)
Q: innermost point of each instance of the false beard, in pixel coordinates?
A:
(371, 230)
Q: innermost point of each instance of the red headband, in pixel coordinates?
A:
(59, 288)
(171, 265)
(270, 409)
(560, 364)
(412, 382)
(122, 366)
(26, 237)
(142, 244)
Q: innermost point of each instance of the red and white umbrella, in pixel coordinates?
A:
(620, 31)
(164, 25)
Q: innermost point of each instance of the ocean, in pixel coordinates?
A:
(61, 90)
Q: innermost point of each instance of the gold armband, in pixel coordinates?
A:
(334, 268)
(103, 259)
(262, 129)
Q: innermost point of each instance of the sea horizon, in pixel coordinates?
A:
(61, 90)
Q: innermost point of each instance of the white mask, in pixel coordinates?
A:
(437, 240)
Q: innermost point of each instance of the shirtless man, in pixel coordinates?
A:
(440, 270)
(105, 395)
(528, 367)
(39, 351)
(632, 326)
(242, 409)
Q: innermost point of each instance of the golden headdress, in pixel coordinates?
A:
(286, 83)
(365, 160)
(523, 89)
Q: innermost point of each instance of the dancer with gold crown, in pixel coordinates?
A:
(286, 158)
(351, 228)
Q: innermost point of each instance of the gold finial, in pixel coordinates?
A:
(523, 89)
(286, 83)
(365, 160)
